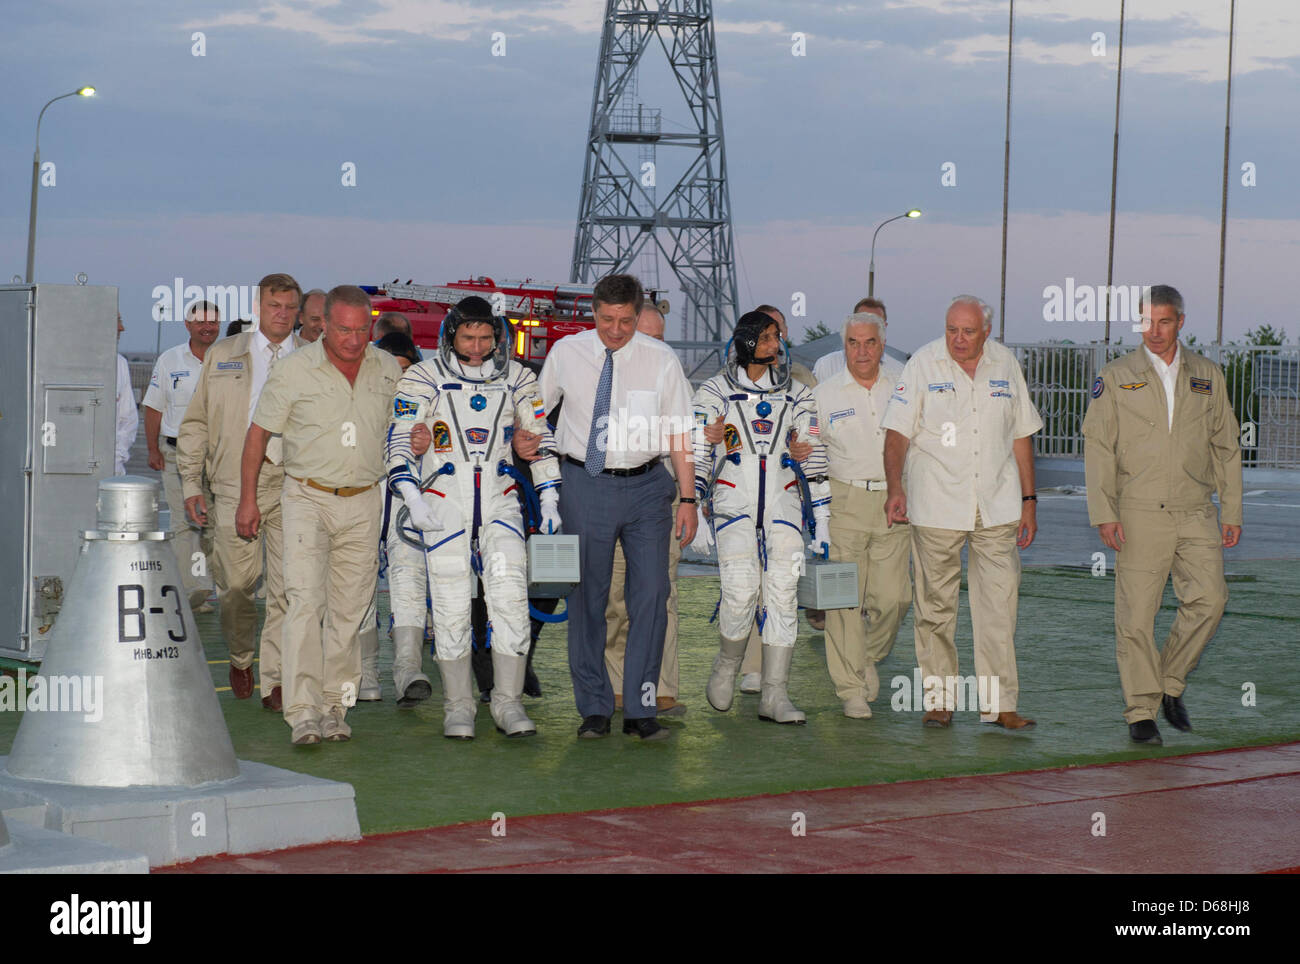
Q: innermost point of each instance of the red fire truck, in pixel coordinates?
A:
(539, 313)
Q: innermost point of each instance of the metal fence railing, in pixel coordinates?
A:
(1263, 387)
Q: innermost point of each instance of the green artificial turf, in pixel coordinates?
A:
(408, 776)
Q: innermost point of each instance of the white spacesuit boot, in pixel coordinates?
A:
(412, 685)
(369, 641)
(774, 704)
(722, 682)
(458, 703)
(507, 686)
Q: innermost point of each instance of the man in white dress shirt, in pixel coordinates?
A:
(850, 407)
(175, 375)
(128, 416)
(962, 417)
(627, 405)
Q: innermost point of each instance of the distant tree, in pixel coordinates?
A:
(818, 330)
(1265, 335)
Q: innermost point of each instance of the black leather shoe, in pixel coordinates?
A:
(646, 727)
(1144, 731)
(1175, 712)
(594, 727)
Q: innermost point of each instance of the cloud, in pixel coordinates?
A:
(388, 19)
(1180, 37)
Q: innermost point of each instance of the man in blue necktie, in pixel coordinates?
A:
(627, 407)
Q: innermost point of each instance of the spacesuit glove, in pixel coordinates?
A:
(550, 499)
(703, 540)
(423, 516)
(821, 541)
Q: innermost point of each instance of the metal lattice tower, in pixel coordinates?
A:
(619, 215)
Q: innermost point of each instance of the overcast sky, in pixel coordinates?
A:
(223, 167)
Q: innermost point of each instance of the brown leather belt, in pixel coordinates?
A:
(346, 491)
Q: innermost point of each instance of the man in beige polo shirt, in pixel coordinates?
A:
(850, 407)
(962, 418)
(211, 441)
(331, 401)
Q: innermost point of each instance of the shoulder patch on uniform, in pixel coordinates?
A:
(539, 409)
(1098, 386)
(1202, 386)
(223, 366)
(1133, 386)
(441, 437)
(404, 408)
(731, 437)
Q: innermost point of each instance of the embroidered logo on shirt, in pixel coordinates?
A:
(836, 416)
(404, 408)
(223, 366)
(441, 437)
(1133, 386)
(762, 426)
(476, 436)
(1098, 386)
(1201, 386)
(942, 387)
(999, 383)
(731, 437)
(999, 394)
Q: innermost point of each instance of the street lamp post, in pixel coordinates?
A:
(871, 274)
(36, 176)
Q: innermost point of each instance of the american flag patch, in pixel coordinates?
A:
(812, 427)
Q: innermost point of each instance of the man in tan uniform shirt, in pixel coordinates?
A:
(1160, 439)
(331, 400)
(211, 440)
(850, 407)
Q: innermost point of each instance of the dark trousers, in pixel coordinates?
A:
(637, 512)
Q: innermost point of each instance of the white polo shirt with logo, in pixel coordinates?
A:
(849, 417)
(961, 431)
(175, 376)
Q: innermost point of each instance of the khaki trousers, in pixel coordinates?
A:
(993, 576)
(239, 567)
(616, 622)
(858, 639)
(331, 556)
(187, 539)
(1190, 545)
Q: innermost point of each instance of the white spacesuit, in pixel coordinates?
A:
(757, 509)
(461, 517)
